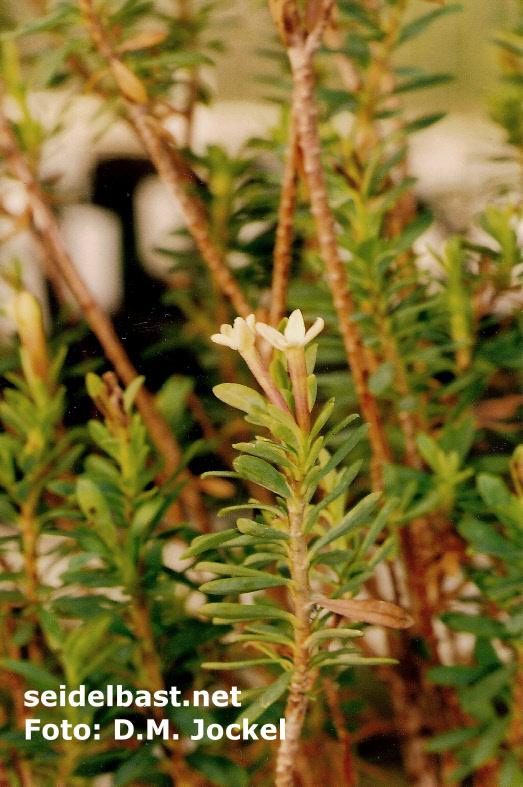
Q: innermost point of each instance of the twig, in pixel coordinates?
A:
(283, 247)
(160, 154)
(302, 677)
(48, 230)
(301, 49)
(332, 697)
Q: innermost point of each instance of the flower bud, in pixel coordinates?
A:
(25, 311)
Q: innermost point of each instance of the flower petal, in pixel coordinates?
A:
(244, 335)
(314, 330)
(271, 335)
(295, 329)
(219, 338)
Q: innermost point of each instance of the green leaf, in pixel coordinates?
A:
(131, 392)
(456, 675)
(238, 612)
(354, 518)
(335, 633)
(419, 25)
(96, 510)
(39, 677)
(266, 450)
(250, 528)
(347, 478)
(422, 122)
(205, 543)
(260, 472)
(321, 420)
(473, 624)
(232, 665)
(497, 497)
(83, 648)
(240, 396)
(345, 448)
(382, 378)
(451, 739)
(228, 569)
(237, 585)
(338, 427)
(486, 540)
(425, 81)
(265, 700)
(219, 770)
(147, 515)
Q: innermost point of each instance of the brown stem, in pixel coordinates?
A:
(302, 677)
(21, 767)
(305, 111)
(196, 222)
(160, 154)
(515, 736)
(47, 228)
(332, 697)
(29, 532)
(152, 679)
(283, 247)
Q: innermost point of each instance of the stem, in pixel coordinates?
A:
(47, 228)
(300, 58)
(168, 170)
(298, 374)
(332, 697)
(262, 375)
(152, 679)
(303, 677)
(515, 736)
(29, 531)
(283, 247)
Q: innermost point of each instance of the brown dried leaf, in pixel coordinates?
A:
(286, 17)
(379, 613)
(313, 13)
(131, 87)
(217, 487)
(501, 408)
(144, 40)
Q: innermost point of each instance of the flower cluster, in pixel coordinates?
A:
(241, 336)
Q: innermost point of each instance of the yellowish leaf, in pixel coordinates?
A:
(131, 87)
(144, 40)
(217, 487)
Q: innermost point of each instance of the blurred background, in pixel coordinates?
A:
(115, 213)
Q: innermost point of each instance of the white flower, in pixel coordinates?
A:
(294, 334)
(240, 336)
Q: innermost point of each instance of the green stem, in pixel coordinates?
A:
(303, 677)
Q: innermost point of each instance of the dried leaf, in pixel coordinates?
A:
(217, 487)
(313, 13)
(144, 40)
(286, 17)
(501, 408)
(379, 613)
(131, 87)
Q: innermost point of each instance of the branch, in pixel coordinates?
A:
(135, 98)
(283, 247)
(301, 57)
(47, 228)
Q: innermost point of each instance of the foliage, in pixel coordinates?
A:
(90, 592)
